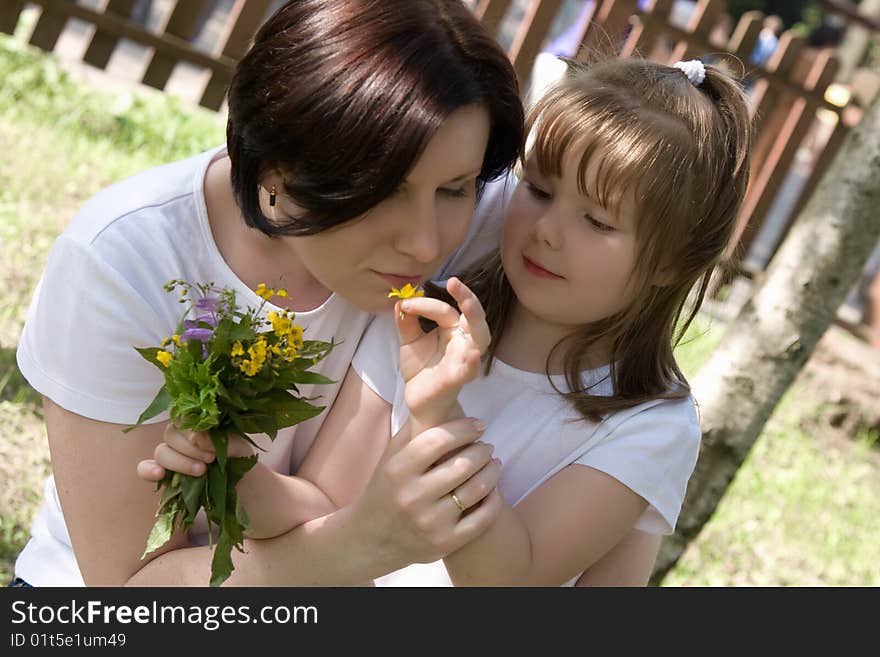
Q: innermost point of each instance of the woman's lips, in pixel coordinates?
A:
(537, 270)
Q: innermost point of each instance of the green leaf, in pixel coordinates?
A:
(216, 492)
(149, 354)
(162, 529)
(221, 443)
(221, 564)
(161, 402)
(192, 489)
(237, 467)
(309, 377)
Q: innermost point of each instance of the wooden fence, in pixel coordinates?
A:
(786, 92)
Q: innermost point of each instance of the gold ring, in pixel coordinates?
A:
(457, 501)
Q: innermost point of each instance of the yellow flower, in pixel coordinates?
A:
(282, 293)
(264, 292)
(164, 357)
(406, 292)
(257, 353)
(176, 340)
(289, 353)
(281, 323)
(237, 349)
(295, 337)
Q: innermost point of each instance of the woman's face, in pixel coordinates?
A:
(408, 236)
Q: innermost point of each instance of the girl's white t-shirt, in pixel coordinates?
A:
(101, 294)
(651, 448)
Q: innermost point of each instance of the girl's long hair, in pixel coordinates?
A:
(683, 150)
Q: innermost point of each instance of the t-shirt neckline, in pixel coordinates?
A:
(214, 251)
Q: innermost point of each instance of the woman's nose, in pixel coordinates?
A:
(419, 236)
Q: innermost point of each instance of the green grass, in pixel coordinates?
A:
(801, 511)
(61, 143)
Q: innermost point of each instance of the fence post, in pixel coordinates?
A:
(49, 27)
(608, 26)
(801, 114)
(9, 13)
(530, 35)
(103, 43)
(491, 13)
(247, 17)
(183, 19)
(706, 14)
(745, 36)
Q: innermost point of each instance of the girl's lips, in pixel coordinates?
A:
(399, 280)
(536, 270)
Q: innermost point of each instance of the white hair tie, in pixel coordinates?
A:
(694, 70)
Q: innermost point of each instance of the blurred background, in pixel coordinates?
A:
(96, 90)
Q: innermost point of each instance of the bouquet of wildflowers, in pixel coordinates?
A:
(228, 372)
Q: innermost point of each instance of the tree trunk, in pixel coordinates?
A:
(776, 331)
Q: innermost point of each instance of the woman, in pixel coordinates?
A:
(360, 133)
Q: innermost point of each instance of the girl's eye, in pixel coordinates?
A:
(598, 225)
(537, 192)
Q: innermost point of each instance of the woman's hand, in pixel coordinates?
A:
(435, 365)
(186, 452)
(407, 511)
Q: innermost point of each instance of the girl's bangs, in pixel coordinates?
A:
(636, 153)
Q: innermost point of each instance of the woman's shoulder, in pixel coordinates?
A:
(124, 205)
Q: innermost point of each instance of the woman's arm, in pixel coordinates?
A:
(563, 527)
(108, 512)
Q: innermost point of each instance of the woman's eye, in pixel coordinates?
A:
(598, 225)
(455, 193)
(537, 192)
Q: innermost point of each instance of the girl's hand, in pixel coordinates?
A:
(437, 364)
(186, 452)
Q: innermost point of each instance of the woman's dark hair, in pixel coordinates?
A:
(344, 95)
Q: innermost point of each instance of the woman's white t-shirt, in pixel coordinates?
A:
(651, 448)
(102, 294)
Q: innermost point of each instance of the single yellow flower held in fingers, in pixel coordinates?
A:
(406, 292)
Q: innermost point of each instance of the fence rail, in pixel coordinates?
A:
(786, 93)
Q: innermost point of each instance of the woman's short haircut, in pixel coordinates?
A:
(344, 95)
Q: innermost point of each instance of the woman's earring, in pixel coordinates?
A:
(272, 196)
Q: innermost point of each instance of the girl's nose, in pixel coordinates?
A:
(548, 228)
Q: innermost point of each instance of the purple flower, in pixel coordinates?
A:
(208, 304)
(206, 307)
(201, 334)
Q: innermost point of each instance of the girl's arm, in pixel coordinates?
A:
(563, 527)
(629, 563)
(396, 497)
(567, 524)
(275, 503)
(400, 518)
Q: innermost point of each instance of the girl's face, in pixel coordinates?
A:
(568, 259)
(408, 236)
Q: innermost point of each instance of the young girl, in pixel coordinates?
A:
(627, 200)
